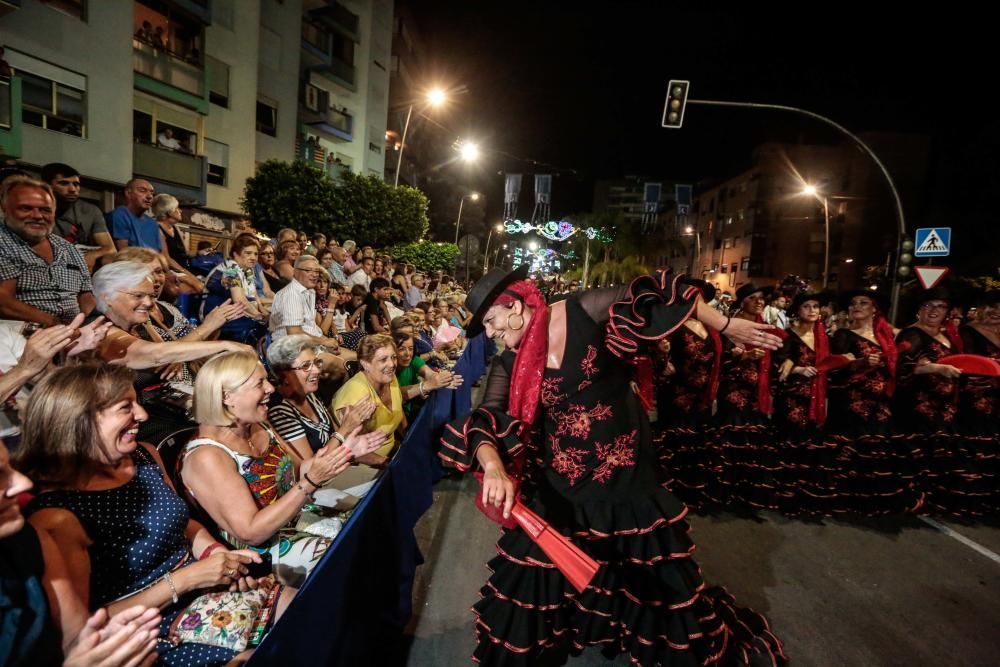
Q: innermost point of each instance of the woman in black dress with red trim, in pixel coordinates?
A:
(560, 417)
(750, 457)
(808, 461)
(926, 400)
(979, 402)
(876, 476)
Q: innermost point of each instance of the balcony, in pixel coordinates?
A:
(10, 116)
(163, 74)
(337, 123)
(340, 72)
(338, 18)
(180, 174)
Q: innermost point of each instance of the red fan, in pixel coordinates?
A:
(972, 364)
(832, 363)
(576, 566)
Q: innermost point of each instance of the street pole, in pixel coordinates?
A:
(459, 219)
(468, 242)
(826, 244)
(402, 145)
(486, 255)
(900, 217)
(586, 266)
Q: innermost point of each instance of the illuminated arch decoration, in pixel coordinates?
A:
(557, 231)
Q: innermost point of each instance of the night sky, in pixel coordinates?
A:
(580, 93)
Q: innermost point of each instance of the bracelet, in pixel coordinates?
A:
(339, 437)
(173, 589)
(305, 476)
(728, 320)
(423, 394)
(209, 549)
(305, 492)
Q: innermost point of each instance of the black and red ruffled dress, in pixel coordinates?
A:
(590, 470)
(808, 463)
(743, 435)
(876, 471)
(684, 401)
(925, 408)
(979, 420)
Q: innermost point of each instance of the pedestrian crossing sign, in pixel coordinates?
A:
(932, 242)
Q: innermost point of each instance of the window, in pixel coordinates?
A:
(75, 8)
(218, 161)
(311, 97)
(745, 264)
(51, 97)
(218, 77)
(159, 25)
(343, 48)
(315, 36)
(267, 118)
(732, 267)
(374, 148)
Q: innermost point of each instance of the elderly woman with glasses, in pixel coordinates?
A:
(252, 482)
(234, 281)
(376, 382)
(167, 213)
(126, 294)
(299, 416)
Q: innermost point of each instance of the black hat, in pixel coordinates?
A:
(881, 299)
(819, 297)
(485, 291)
(935, 294)
(748, 289)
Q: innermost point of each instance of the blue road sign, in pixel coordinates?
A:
(932, 242)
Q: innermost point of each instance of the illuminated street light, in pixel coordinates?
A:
(435, 98)
(470, 152)
(474, 196)
(811, 191)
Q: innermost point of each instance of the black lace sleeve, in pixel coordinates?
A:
(489, 424)
(651, 308)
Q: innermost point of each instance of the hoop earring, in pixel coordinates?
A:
(518, 327)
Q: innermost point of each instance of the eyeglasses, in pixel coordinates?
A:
(307, 365)
(139, 295)
(935, 306)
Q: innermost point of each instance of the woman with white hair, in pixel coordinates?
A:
(125, 294)
(300, 417)
(167, 213)
(350, 266)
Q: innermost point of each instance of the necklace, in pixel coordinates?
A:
(249, 441)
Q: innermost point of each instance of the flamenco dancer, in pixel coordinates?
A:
(559, 418)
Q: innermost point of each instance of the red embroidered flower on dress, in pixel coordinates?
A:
(567, 462)
(550, 392)
(587, 365)
(619, 454)
(576, 421)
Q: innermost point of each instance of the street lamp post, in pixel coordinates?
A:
(900, 218)
(474, 197)
(434, 98)
(486, 255)
(689, 231)
(811, 190)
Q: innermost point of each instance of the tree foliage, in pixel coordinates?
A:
(363, 208)
(427, 255)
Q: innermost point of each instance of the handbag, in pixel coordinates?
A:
(228, 619)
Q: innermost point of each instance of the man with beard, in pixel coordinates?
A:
(43, 278)
(77, 221)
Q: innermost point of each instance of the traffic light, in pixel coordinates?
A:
(905, 258)
(673, 110)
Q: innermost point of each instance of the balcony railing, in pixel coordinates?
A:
(163, 164)
(6, 102)
(163, 66)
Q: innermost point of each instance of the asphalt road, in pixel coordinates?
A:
(874, 592)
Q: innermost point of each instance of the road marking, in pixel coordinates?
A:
(975, 546)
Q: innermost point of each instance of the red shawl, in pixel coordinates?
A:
(887, 341)
(713, 385)
(817, 407)
(764, 371)
(529, 365)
